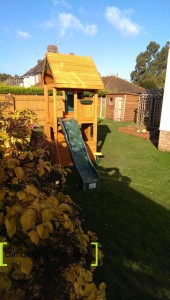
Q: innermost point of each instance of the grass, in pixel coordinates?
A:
(130, 214)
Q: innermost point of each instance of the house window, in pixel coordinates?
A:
(110, 101)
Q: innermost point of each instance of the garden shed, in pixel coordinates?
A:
(121, 98)
(70, 77)
(121, 106)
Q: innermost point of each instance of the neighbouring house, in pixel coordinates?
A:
(34, 75)
(164, 137)
(122, 98)
(13, 81)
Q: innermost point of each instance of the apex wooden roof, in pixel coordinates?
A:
(71, 71)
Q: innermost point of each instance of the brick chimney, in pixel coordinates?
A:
(52, 48)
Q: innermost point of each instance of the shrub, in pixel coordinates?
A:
(15, 129)
(35, 215)
(20, 90)
(102, 93)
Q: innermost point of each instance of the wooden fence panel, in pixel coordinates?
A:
(36, 103)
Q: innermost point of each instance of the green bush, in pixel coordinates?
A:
(102, 93)
(20, 90)
(35, 90)
(36, 215)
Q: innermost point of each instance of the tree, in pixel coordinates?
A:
(150, 69)
(4, 76)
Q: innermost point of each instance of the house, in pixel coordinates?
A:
(122, 98)
(70, 76)
(164, 137)
(13, 81)
(34, 75)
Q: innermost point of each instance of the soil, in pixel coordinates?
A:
(133, 131)
(150, 135)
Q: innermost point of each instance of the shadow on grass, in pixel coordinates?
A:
(154, 136)
(134, 233)
(103, 130)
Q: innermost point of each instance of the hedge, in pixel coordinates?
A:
(20, 90)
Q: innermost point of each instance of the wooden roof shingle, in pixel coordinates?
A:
(72, 71)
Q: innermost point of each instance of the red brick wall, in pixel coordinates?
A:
(164, 141)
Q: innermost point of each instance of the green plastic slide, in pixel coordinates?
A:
(79, 154)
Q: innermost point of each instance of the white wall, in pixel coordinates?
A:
(36, 79)
(165, 115)
(28, 81)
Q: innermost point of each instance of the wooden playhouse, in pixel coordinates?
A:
(71, 77)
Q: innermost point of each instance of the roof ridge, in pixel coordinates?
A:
(129, 82)
(110, 80)
(34, 69)
(115, 83)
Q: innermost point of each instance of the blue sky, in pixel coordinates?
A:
(112, 32)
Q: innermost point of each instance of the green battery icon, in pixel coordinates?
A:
(96, 254)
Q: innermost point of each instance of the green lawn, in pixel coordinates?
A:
(130, 214)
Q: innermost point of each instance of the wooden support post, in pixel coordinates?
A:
(95, 120)
(46, 127)
(75, 105)
(46, 103)
(55, 112)
(64, 97)
(64, 104)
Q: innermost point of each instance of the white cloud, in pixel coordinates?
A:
(69, 21)
(63, 3)
(121, 21)
(48, 24)
(23, 34)
(90, 29)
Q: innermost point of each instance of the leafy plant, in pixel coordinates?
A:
(34, 214)
(5, 104)
(82, 284)
(18, 90)
(15, 129)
